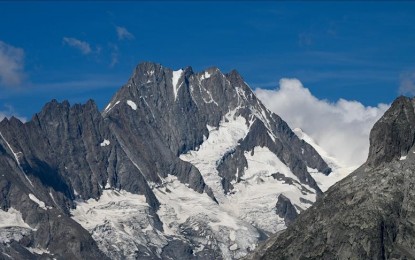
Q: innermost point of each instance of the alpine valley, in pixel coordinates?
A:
(179, 165)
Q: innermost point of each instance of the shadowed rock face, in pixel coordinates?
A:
(286, 210)
(369, 214)
(177, 123)
(393, 135)
(68, 154)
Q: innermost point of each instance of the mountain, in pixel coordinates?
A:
(369, 214)
(339, 170)
(179, 165)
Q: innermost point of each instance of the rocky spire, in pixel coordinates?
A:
(393, 135)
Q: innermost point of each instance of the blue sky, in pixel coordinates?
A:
(361, 51)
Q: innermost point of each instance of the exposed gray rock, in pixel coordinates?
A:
(369, 214)
(286, 210)
(393, 135)
(68, 154)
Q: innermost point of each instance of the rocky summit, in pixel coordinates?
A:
(185, 165)
(371, 213)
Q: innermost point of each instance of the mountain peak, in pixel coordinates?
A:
(234, 76)
(146, 65)
(172, 151)
(393, 135)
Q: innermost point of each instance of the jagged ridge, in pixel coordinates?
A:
(66, 155)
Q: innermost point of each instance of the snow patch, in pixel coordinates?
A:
(221, 140)
(262, 160)
(232, 235)
(253, 199)
(37, 250)
(251, 204)
(12, 218)
(150, 73)
(37, 201)
(16, 157)
(105, 143)
(204, 92)
(206, 75)
(175, 80)
(10, 234)
(121, 224)
(107, 185)
(53, 199)
(110, 106)
(402, 158)
(211, 100)
(149, 108)
(182, 207)
(132, 104)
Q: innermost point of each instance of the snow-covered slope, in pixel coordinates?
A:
(253, 197)
(339, 171)
(243, 157)
(180, 165)
(121, 224)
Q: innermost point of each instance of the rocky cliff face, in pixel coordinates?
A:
(369, 214)
(179, 164)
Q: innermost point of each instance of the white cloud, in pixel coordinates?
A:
(83, 46)
(341, 128)
(407, 83)
(123, 33)
(11, 64)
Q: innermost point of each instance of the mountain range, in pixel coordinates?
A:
(179, 165)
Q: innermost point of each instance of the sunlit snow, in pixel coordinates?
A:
(105, 143)
(132, 104)
(37, 201)
(110, 106)
(251, 202)
(12, 218)
(182, 207)
(120, 223)
(205, 75)
(339, 171)
(175, 80)
(16, 157)
(221, 140)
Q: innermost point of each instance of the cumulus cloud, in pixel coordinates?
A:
(341, 128)
(11, 64)
(83, 46)
(123, 33)
(407, 83)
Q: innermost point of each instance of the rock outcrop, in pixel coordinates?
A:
(370, 213)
